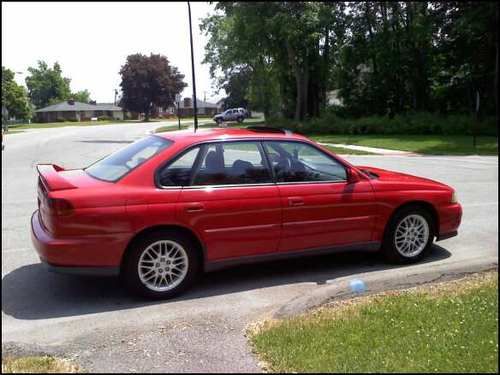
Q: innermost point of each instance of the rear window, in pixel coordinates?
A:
(115, 166)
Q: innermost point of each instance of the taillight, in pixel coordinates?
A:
(59, 207)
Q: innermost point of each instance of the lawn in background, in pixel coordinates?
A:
(37, 125)
(422, 144)
(447, 327)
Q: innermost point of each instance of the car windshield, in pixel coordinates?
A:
(115, 166)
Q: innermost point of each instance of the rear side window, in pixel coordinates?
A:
(179, 172)
(115, 166)
(232, 163)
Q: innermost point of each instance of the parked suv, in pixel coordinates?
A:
(232, 114)
(172, 205)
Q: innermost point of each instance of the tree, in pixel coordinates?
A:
(82, 96)
(237, 88)
(383, 57)
(14, 96)
(286, 47)
(47, 85)
(149, 82)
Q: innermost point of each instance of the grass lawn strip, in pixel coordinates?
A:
(421, 144)
(38, 364)
(440, 327)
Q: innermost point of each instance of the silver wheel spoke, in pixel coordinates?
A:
(163, 265)
(411, 235)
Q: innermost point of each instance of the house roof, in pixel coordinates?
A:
(79, 106)
(199, 104)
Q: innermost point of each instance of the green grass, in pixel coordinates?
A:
(424, 144)
(37, 364)
(449, 328)
(45, 125)
(61, 124)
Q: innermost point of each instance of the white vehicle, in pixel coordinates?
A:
(232, 114)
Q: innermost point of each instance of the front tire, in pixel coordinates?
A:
(409, 235)
(161, 265)
(239, 119)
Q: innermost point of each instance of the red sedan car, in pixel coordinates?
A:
(170, 206)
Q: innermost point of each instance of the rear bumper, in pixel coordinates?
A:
(92, 255)
(450, 218)
(82, 271)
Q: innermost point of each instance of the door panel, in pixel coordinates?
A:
(326, 214)
(233, 221)
(236, 208)
(320, 208)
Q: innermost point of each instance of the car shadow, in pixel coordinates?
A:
(31, 293)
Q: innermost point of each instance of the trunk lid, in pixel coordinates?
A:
(53, 182)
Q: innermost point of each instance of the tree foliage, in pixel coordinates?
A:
(14, 96)
(47, 85)
(82, 96)
(149, 82)
(383, 57)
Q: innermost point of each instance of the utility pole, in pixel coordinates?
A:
(192, 70)
(178, 100)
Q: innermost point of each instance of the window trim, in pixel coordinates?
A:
(260, 141)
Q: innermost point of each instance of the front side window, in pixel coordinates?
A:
(300, 162)
(115, 166)
(229, 163)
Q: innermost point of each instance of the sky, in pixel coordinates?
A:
(91, 41)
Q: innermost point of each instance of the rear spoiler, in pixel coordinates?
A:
(52, 179)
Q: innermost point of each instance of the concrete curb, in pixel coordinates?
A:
(374, 150)
(401, 278)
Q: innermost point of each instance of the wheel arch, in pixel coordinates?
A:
(420, 204)
(165, 228)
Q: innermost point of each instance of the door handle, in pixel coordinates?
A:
(295, 201)
(194, 207)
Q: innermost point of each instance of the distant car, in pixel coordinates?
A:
(245, 112)
(3, 146)
(232, 114)
(166, 208)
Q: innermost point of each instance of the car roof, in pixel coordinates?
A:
(218, 134)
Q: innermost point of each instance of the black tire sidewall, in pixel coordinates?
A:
(389, 248)
(130, 274)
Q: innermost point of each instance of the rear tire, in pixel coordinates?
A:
(409, 235)
(161, 265)
(239, 119)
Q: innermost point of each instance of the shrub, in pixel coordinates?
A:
(407, 123)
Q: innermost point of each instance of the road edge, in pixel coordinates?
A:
(382, 281)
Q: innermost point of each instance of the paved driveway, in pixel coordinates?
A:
(95, 320)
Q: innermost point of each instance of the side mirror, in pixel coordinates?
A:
(352, 176)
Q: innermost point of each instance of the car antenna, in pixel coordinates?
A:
(192, 70)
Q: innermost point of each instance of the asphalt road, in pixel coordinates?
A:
(104, 329)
